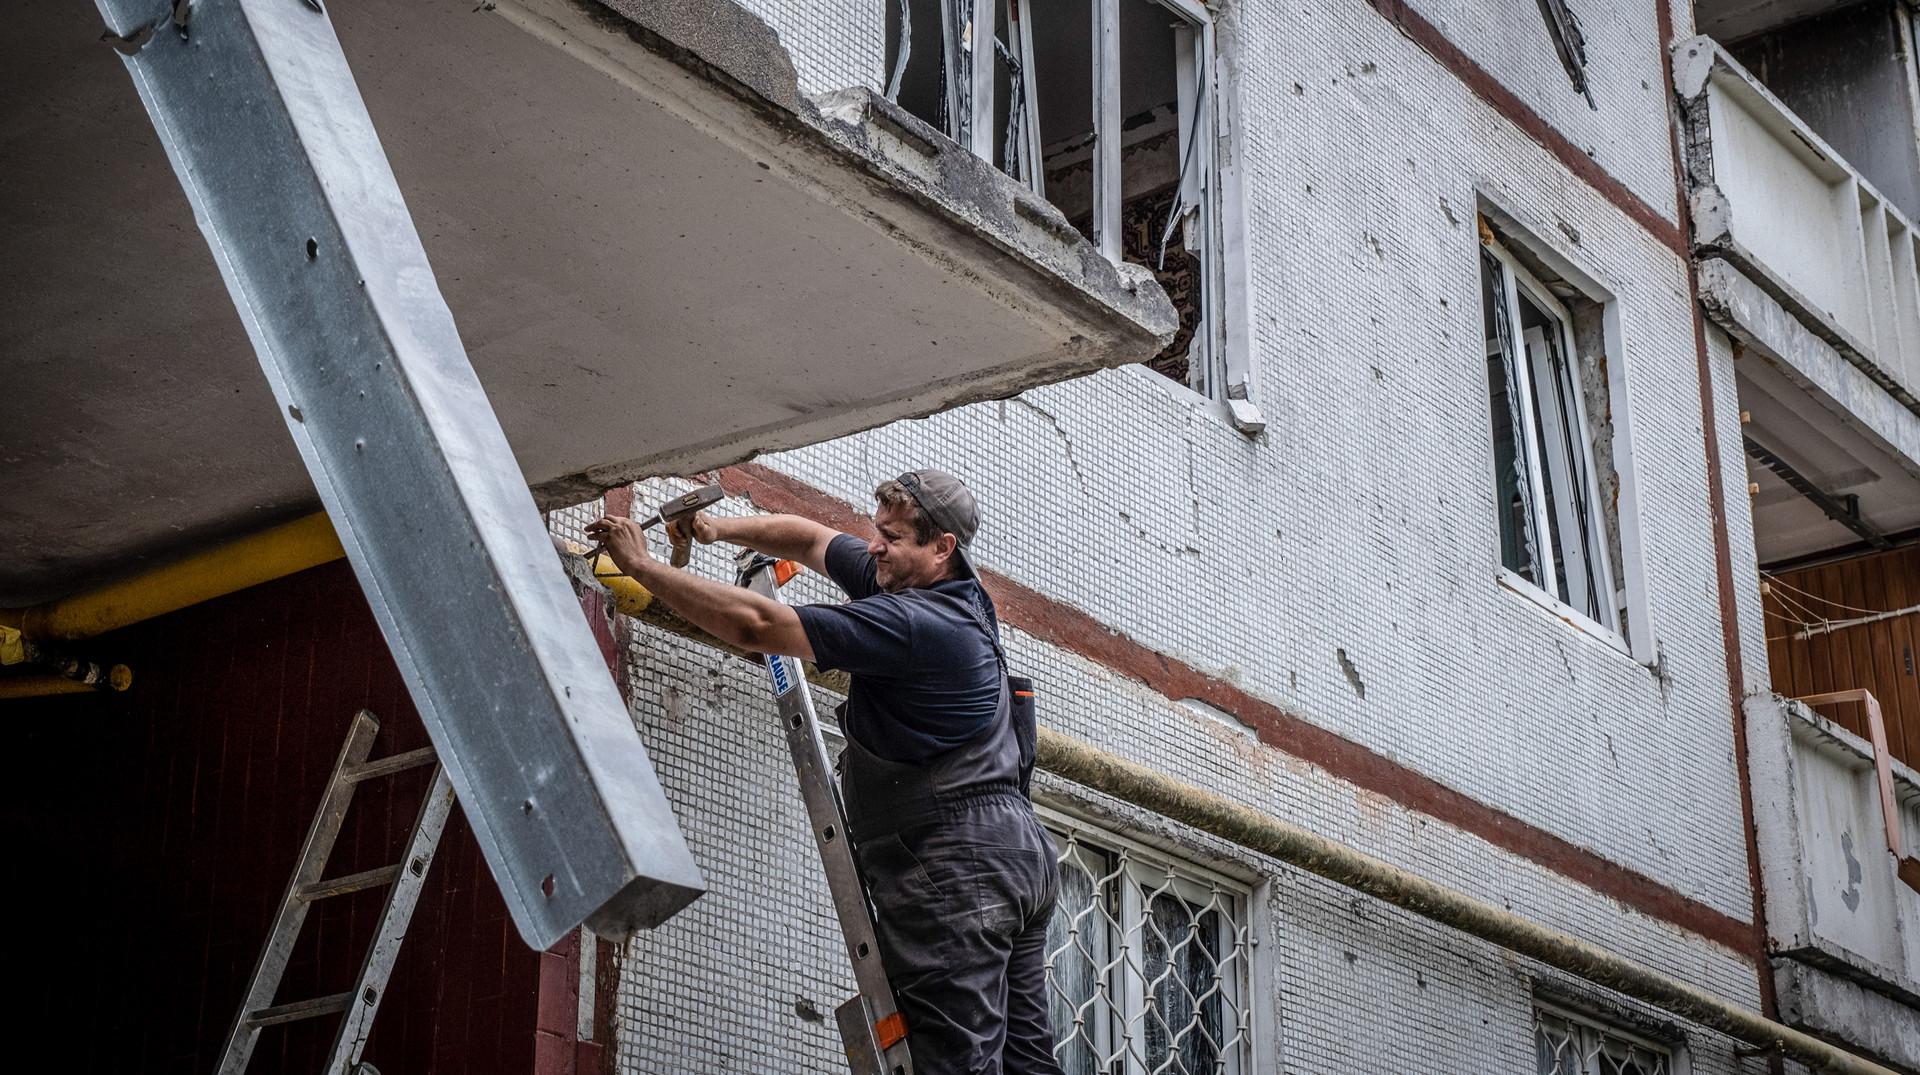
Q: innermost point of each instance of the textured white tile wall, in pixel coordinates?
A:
(835, 44)
(1624, 57)
(1362, 521)
(735, 982)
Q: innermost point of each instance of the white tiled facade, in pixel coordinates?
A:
(1362, 523)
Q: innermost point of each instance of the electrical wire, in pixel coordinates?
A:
(1788, 604)
(1775, 580)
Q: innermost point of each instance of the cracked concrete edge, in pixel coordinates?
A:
(1693, 60)
(1833, 1007)
(1767, 327)
(1776, 804)
(1789, 726)
(857, 151)
(743, 445)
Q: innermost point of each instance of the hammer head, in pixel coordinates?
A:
(688, 503)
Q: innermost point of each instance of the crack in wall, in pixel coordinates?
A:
(1348, 669)
(1086, 486)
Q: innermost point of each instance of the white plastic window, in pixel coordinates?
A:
(1552, 534)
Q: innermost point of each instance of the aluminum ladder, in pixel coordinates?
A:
(871, 1027)
(405, 880)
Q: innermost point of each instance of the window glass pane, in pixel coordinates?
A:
(1561, 437)
(1566, 1046)
(1146, 965)
(1076, 940)
(1182, 963)
(1556, 1046)
(1511, 485)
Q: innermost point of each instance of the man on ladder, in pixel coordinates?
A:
(934, 777)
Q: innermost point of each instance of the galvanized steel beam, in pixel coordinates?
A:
(259, 114)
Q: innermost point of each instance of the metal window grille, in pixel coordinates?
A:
(1146, 965)
(1565, 1044)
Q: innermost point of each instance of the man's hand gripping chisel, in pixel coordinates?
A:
(673, 510)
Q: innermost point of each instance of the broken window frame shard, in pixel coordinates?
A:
(1570, 44)
(1023, 149)
(903, 51)
(1216, 360)
(1561, 535)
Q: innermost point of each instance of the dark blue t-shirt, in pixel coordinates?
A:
(924, 675)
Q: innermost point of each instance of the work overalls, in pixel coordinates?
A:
(963, 881)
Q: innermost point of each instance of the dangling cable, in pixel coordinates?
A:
(906, 50)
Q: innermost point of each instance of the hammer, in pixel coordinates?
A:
(678, 508)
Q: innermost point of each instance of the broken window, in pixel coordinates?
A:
(1570, 44)
(1106, 109)
(1569, 1044)
(1146, 963)
(1555, 532)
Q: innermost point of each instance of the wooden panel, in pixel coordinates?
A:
(155, 830)
(1879, 655)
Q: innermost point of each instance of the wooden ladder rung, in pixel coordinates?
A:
(353, 882)
(392, 763)
(301, 1009)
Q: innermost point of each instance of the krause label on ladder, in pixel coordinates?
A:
(782, 678)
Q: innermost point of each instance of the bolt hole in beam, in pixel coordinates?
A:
(264, 126)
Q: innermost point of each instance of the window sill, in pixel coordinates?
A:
(1216, 409)
(1566, 614)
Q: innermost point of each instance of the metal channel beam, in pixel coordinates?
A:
(1846, 513)
(264, 126)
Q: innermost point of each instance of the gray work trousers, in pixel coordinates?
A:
(963, 904)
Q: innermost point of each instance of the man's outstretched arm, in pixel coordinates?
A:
(784, 537)
(733, 614)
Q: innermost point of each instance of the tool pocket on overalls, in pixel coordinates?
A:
(894, 872)
(1020, 699)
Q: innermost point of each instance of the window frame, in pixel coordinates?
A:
(1516, 279)
(1221, 352)
(1145, 868)
(1588, 1026)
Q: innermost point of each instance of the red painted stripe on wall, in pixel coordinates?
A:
(1063, 625)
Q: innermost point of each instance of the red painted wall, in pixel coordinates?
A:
(153, 832)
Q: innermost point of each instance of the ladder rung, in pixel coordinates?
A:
(353, 882)
(301, 1009)
(392, 763)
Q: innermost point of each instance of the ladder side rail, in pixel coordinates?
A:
(827, 815)
(278, 949)
(370, 986)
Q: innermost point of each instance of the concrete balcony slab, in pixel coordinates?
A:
(660, 255)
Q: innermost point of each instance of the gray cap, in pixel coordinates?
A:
(950, 504)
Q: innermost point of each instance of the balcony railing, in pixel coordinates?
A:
(1770, 197)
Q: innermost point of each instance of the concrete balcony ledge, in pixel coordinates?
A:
(1844, 931)
(1752, 314)
(1776, 202)
(1849, 913)
(660, 255)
